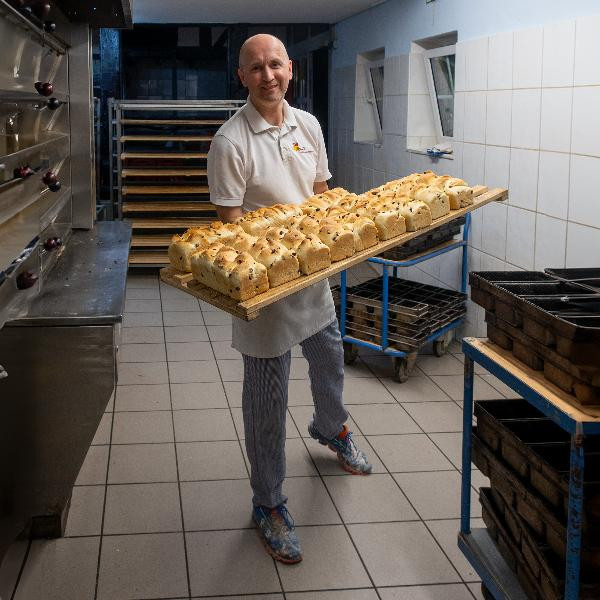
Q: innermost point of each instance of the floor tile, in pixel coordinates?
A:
(409, 452)
(233, 390)
(223, 350)
(85, 511)
(142, 427)
(248, 567)
(299, 393)
(416, 389)
(209, 505)
(309, 502)
(198, 395)
(447, 364)
(61, 569)
(454, 591)
(199, 461)
(141, 353)
(142, 566)
(219, 333)
(143, 319)
(93, 469)
(303, 415)
(245, 597)
(142, 278)
(142, 335)
(217, 317)
(110, 405)
(142, 397)
(383, 366)
(143, 293)
(186, 333)
(451, 445)
(143, 373)
(369, 499)
(142, 508)
(327, 462)
(203, 425)
(185, 304)
(142, 463)
(11, 567)
(445, 532)
(297, 351)
(193, 371)
(102, 435)
(182, 317)
(366, 390)
(357, 370)
(363, 594)
(436, 416)
(298, 368)
(290, 428)
(401, 554)
(453, 386)
(506, 391)
(329, 562)
(184, 351)
(420, 490)
(142, 306)
(376, 419)
(476, 590)
(298, 460)
(206, 307)
(231, 369)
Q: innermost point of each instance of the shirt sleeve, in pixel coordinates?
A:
(323, 173)
(225, 173)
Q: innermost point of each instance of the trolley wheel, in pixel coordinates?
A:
(401, 369)
(440, 347)
(486, 593)
(350, 353)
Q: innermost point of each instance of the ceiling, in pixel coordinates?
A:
(247, 11)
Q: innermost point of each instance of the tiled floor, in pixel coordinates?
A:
(161, 508)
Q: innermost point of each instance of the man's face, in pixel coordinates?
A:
(266, 71)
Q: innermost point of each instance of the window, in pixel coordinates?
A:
(368, 114)
(375, 81)
(439, 70)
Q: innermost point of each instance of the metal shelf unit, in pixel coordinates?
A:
(476, 544)
(158, 168)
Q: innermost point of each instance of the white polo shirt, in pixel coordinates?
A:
(253, 164)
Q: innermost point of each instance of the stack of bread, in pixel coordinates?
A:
(273, 245)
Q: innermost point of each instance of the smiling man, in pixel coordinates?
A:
(270, 153)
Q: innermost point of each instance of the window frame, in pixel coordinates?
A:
(427, 55)
(371, 97)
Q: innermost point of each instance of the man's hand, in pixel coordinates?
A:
(319, 187)
(228, 214)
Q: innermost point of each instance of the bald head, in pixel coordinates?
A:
(260, 44)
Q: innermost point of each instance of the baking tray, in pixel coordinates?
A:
(588, 277)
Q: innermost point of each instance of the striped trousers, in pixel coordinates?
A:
(264, 406)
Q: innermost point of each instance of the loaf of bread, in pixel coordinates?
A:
(282, 265)
(340, 241)
(363, 229)
(416, 215)
(436, 199)
(243, 242)
(313, 255)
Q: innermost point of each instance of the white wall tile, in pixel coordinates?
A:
(500, 61)
(497, 161)
(559, 54)
(459, 67)
(583, 246)
(476, 56)
(525, 130)
(474, 120)
(587, 65)
(396, 160)
(476, 230)
(493, 236)
(520, 237)
(420, 116)
(555, 129)
(586, 121)
(395, 110)
(550, 242)
(473, 163)
(498, 114)
(417, 82)
(584, 205)
(491, 263)
(459, 116)
(395, 81)
(523, 178)
(527, 58)
(454, 167)
(553, 184)
(378, 178)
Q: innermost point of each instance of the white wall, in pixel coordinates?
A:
(526, 118)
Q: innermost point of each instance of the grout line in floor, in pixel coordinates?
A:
(21, 570)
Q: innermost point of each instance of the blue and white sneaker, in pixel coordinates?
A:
(276, 529)
(351, 458)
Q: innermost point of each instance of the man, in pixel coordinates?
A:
(267, 153)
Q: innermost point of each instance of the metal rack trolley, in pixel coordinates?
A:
(476, 544)
(404, 361)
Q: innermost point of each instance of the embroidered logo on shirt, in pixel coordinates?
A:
(298, 148)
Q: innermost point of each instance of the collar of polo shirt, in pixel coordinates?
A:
(258, 124)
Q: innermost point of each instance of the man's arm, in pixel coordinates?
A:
(228, 214)
(320, 186)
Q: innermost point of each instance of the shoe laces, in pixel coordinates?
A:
(281, 513)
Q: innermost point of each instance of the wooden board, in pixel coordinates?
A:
(148, 258)
(164, 189)
(146, 241)
(170, 155)
(166, 138)
(158, 172)
(168, 223)
(537, 382)
(250, 308)
(172, 121)
(129, 207)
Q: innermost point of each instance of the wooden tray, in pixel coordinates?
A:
(249, 309)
